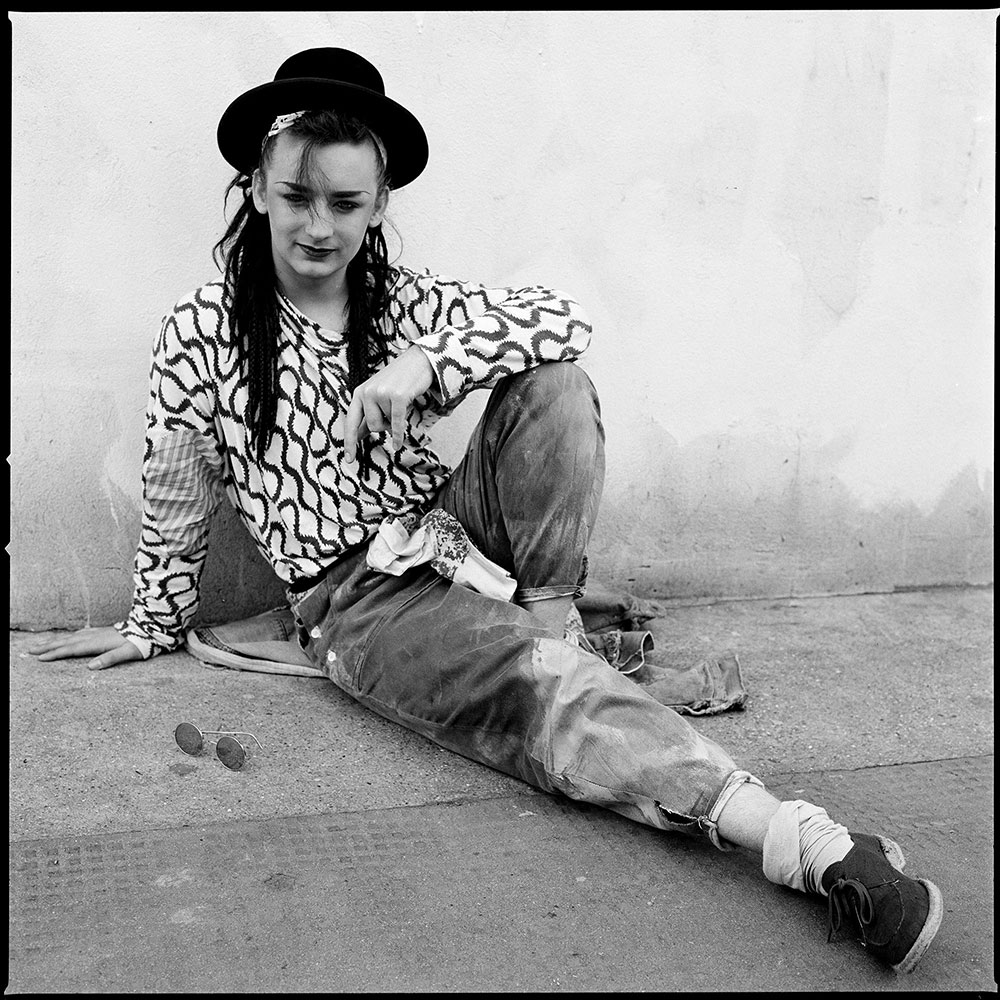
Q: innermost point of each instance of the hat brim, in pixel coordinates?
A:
(248, 119)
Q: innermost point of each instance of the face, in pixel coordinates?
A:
(316, 230)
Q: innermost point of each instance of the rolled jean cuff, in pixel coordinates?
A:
(526, 595)
(709, 823)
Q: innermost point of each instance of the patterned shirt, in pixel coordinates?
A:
(302, 504)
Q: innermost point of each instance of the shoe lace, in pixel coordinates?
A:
(850, 898)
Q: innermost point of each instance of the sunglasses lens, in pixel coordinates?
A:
(231, 753)
(188, 738)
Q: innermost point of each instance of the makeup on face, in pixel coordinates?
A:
(318, 224)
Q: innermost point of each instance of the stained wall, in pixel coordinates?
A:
(781, 224)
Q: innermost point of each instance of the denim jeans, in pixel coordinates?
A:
(485, 678)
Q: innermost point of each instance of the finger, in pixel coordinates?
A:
(68, 649)
(352, 424)
(120, 654)
(400, 407)
(57, 641)
(374, 415)
(54, 654)
(42, 647)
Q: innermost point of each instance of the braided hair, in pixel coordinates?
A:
(244, 256)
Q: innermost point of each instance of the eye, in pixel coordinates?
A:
(346, 206)
(294, 199)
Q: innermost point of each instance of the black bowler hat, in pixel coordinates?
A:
(311, 81)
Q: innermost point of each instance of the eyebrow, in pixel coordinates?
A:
(330, 194)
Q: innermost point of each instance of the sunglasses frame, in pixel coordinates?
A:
(225, 746)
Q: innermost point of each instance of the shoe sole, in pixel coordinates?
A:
(934, 914)
(213, 656)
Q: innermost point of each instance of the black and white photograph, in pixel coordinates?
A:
(501, 501)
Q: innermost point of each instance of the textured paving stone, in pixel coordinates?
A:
(519, 893)
(354, 856)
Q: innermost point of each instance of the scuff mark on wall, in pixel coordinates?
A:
(764, 514)
(122, 466)
(72, 557)
(830, 197)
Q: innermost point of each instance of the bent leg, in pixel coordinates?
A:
(529, 486)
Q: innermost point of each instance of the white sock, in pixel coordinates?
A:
(801, 843)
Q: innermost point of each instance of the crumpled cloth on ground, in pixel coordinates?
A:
(440, 540)
(601, 609)
(611, 625)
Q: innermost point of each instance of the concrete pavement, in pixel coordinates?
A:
(353, 856)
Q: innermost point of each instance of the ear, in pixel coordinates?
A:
(378, 212)
(259, 192)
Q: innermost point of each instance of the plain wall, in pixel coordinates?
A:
(781, 224)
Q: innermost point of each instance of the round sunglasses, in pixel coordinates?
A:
(228, 749)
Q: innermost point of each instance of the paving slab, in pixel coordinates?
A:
(353, 856)
(516, 894)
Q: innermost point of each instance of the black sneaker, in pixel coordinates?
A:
(894, 917)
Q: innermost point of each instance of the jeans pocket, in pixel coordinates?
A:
(397, 606)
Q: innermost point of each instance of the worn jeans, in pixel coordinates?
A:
(485, 678)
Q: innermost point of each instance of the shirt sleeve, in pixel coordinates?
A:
(182, 485)
(474, 335)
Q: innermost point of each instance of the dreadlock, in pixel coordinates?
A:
(244, 255)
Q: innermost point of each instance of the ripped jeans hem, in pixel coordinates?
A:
(709, 824)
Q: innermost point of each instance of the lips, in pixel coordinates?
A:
(318, 252)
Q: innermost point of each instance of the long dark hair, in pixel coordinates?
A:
(244, 256)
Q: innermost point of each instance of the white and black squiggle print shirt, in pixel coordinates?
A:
(301, 503)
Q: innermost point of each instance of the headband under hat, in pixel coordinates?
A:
(314, 80)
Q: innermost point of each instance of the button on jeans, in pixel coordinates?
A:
(485, 678)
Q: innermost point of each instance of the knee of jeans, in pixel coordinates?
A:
(560, 379)
(560, 395)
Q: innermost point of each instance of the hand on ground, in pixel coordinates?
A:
(105, 645)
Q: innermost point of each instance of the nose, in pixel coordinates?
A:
(320, 224)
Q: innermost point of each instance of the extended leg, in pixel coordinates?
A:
(488, 680)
